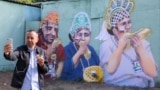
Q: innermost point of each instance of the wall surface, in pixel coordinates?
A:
(145, 14)
(16, 19)
(13, 20)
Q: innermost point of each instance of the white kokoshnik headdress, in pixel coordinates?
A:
(81, 20)
(116, 11)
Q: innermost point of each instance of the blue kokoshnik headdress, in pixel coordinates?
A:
(81, 20)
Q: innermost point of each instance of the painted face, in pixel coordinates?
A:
(82, 35)
(31, 39)
(49, 32)
(123, 26)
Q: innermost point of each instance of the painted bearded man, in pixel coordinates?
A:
(49, 41)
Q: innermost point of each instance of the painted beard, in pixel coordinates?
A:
(49, 38)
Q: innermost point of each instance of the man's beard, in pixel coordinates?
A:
(49, 38)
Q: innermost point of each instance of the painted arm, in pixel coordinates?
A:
(115, 58)
(146, 61)
(59, 69)
(114, 61)
(82, 49)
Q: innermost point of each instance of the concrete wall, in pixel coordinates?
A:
(145, 14)
(13, 20)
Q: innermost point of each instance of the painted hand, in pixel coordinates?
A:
(122, 43)
(136, 42)
(82, 47)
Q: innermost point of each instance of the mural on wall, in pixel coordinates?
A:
(51, 43)
(79, 54)
(125, 57)
(120, 48)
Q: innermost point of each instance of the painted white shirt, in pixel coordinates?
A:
(31, 79)
(127, 74)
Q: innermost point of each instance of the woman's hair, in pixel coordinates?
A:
(70, 37)
(110, 31)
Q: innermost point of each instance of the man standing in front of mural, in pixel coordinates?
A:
(48, 40)
(126, 58)
(31, 64)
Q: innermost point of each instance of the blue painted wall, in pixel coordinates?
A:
(145, 14)
(15, 19)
